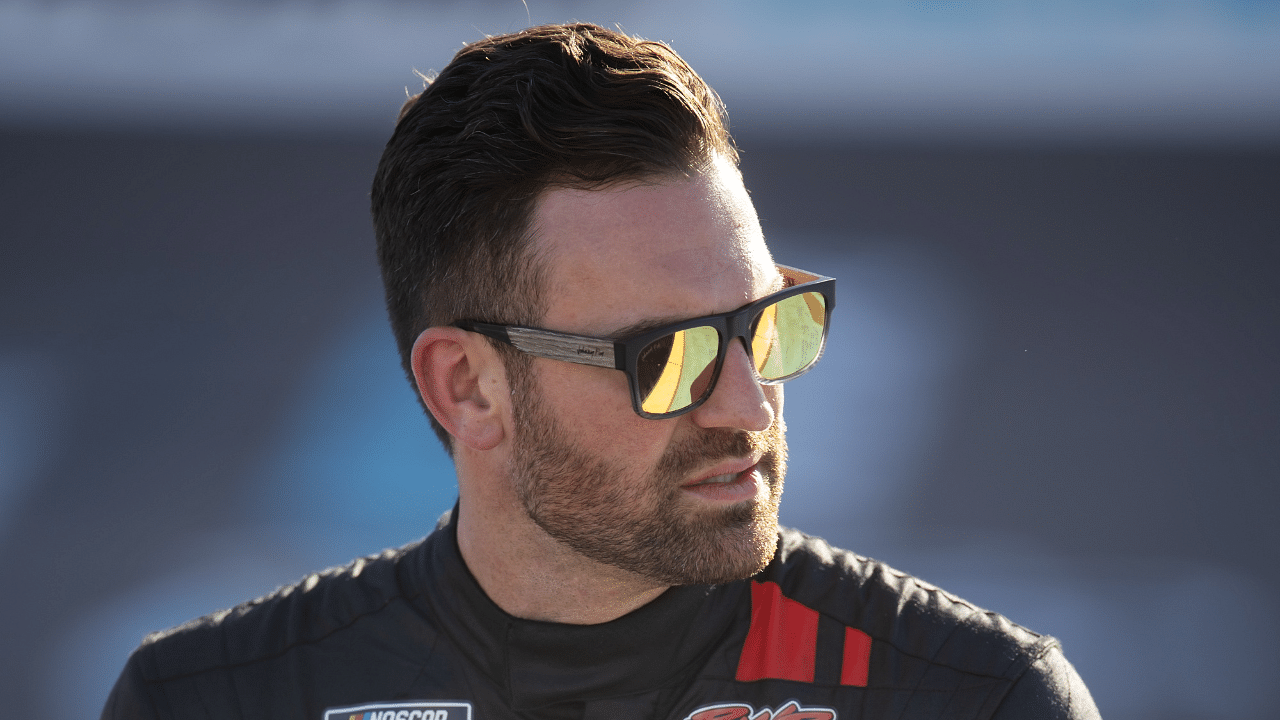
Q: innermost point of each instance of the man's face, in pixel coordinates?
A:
(685, 500)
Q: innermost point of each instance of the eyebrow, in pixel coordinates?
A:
(642, 326)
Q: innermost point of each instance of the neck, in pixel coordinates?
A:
(533, 576)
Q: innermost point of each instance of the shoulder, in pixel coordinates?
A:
(902, 611)
(919, 639)
(315, 615)
(317, 607)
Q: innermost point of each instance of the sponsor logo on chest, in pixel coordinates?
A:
(402, 711)
(742, 711)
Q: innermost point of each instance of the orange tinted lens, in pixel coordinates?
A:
(675, 371)
(787, 337)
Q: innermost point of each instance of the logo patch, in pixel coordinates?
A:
(420, 710)
(742, 711)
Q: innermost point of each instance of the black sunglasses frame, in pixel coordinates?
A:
(624, 353)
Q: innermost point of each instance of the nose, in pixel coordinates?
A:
(738, 401)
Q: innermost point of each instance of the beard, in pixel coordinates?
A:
(641, 522)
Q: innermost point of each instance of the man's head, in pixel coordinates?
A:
(581, 182)
(511, 116)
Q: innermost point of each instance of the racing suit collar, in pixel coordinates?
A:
(538, 664)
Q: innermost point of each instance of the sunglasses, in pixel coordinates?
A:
(673, 369)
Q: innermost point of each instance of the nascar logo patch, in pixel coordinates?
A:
(420, 710)
(742, 711)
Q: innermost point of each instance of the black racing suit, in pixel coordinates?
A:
(820, 634)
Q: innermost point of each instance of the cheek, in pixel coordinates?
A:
(593, 406)
(578, 392)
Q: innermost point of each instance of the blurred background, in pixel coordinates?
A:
(1051, 388)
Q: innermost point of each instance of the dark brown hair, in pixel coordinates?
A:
(509, 117)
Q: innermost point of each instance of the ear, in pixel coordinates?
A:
(461, 381)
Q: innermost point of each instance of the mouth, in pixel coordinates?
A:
(732, 481)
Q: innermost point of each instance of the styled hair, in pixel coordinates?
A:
(510, 117)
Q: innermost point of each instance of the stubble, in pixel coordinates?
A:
(640, 521)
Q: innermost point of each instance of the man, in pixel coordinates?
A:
(586, 306)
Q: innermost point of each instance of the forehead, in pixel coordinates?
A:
(667, 249)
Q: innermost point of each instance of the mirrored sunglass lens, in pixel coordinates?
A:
(788, 335)
(673, 372)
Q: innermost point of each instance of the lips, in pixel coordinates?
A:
(730, 477)
(724, 472)
(723, 486)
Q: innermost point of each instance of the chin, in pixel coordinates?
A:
(734, 546)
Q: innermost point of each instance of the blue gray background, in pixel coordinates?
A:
(1051, 386)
